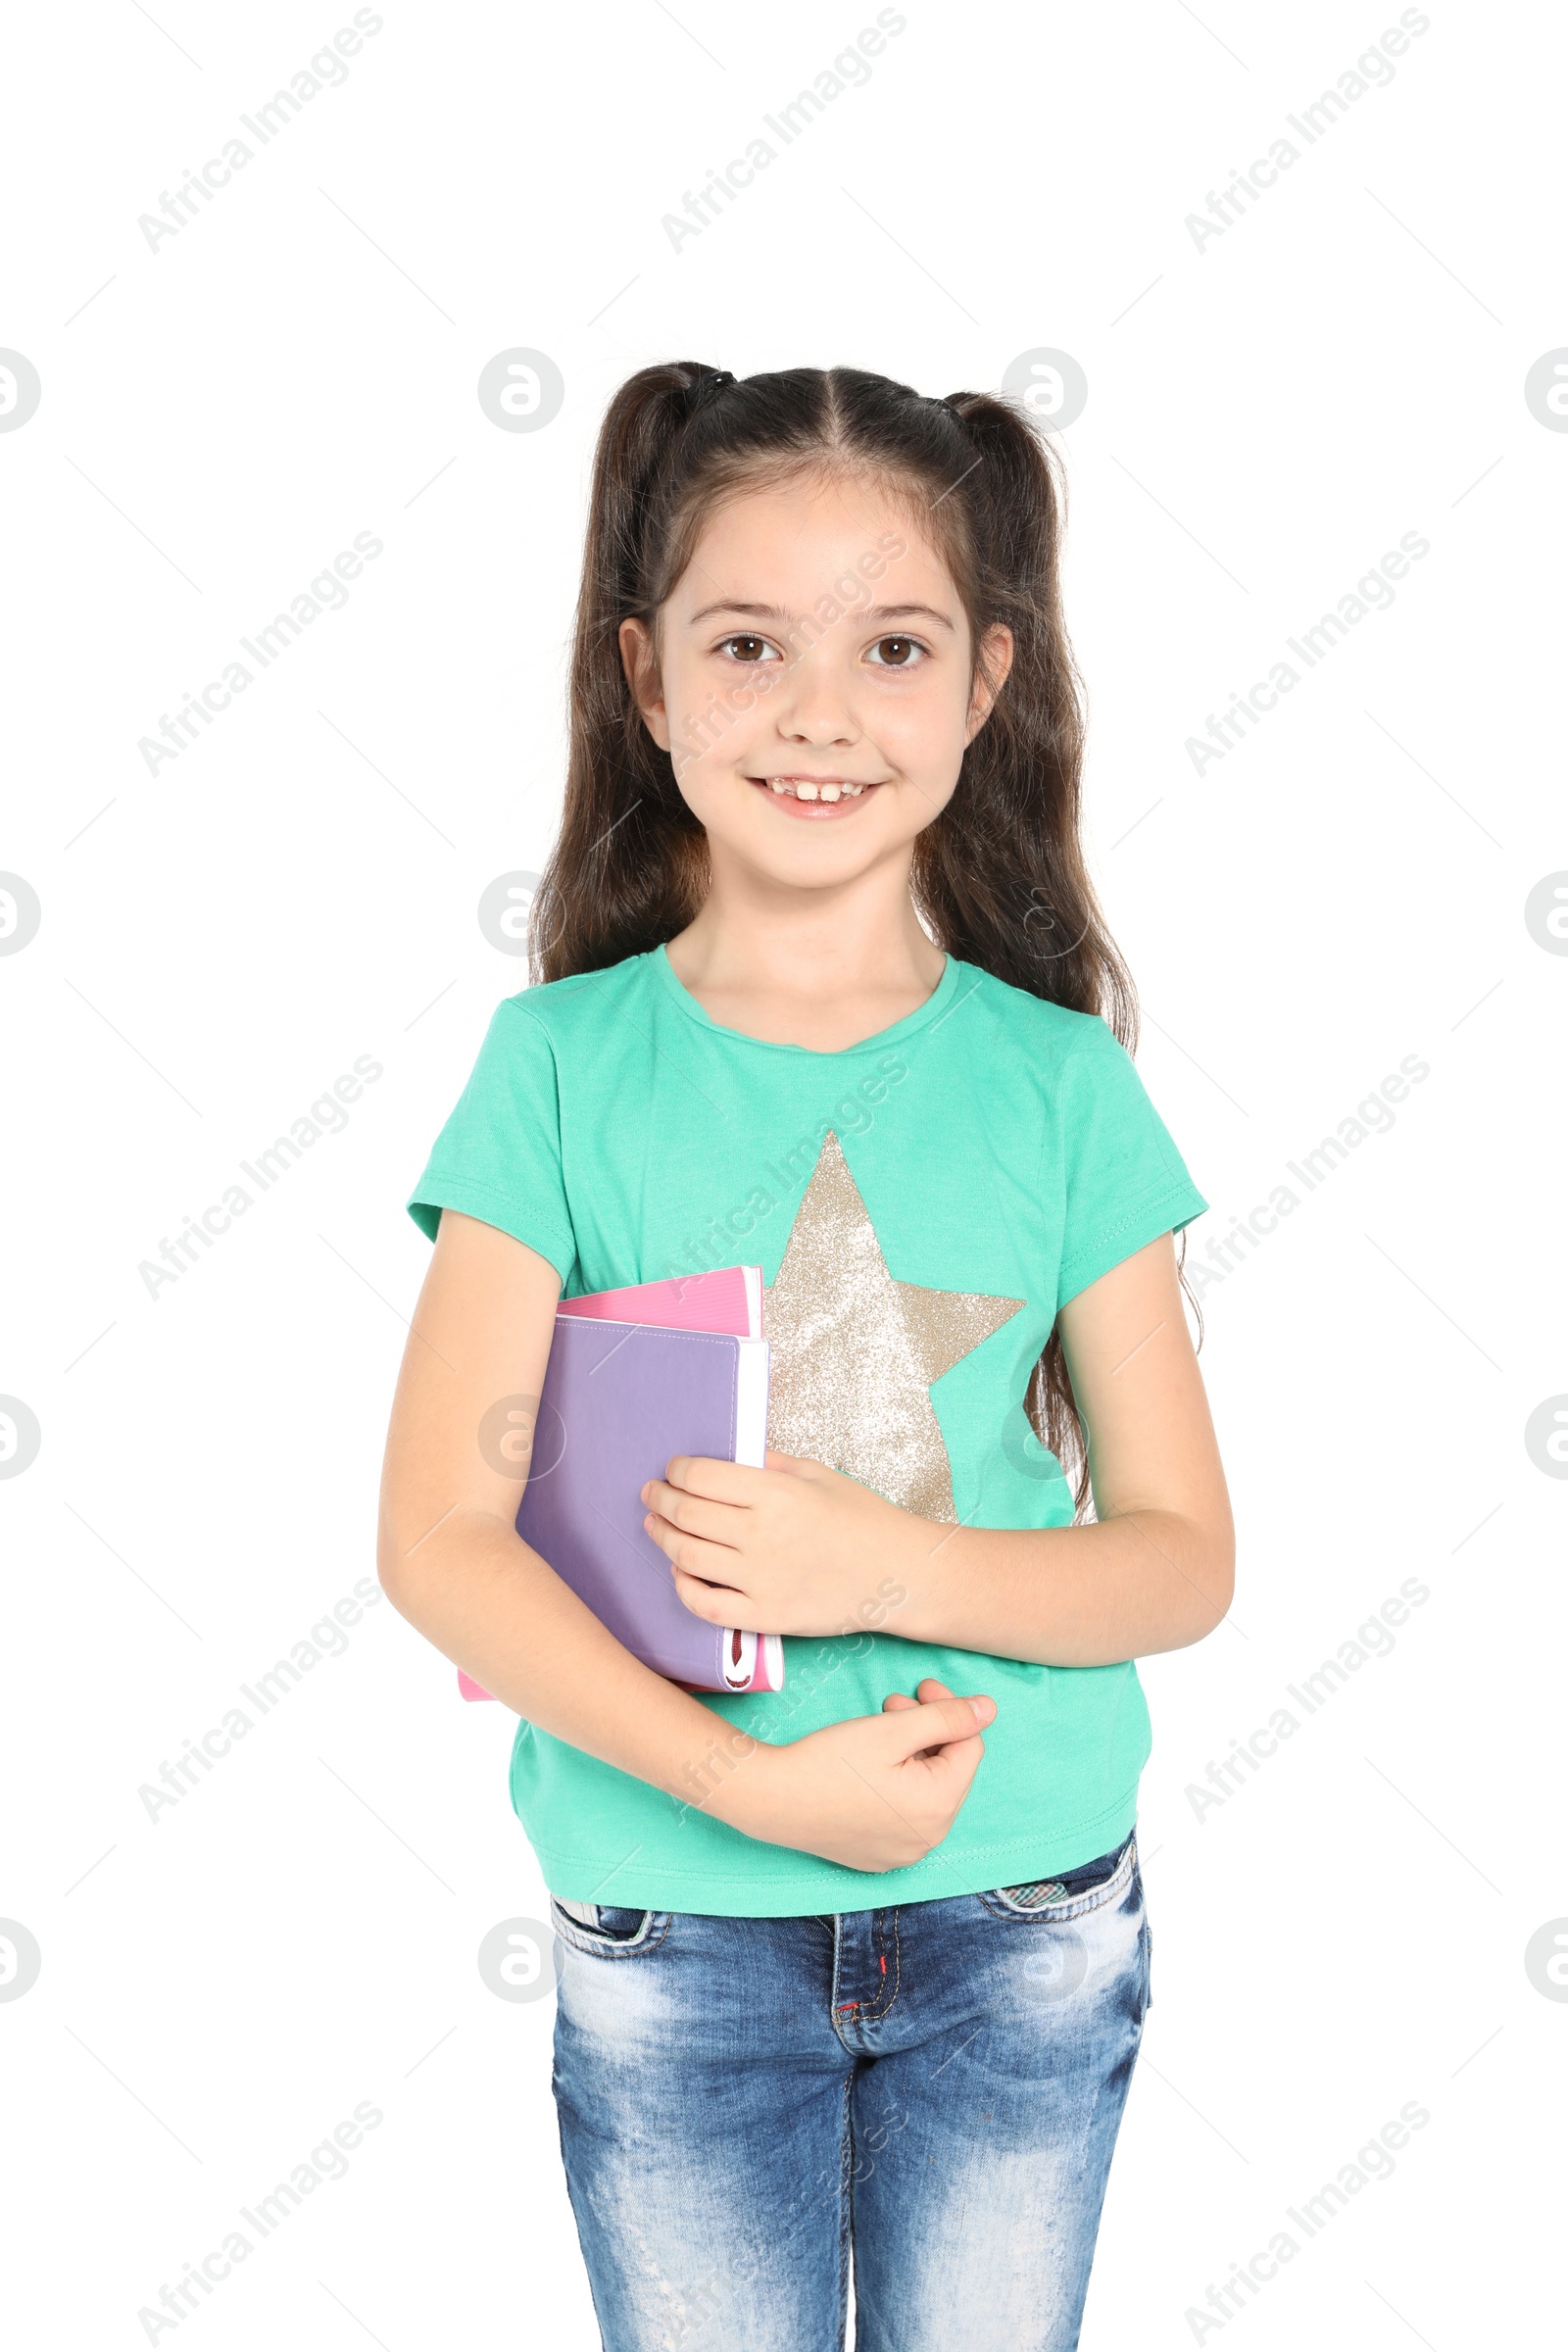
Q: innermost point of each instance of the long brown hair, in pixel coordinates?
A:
(998, 878)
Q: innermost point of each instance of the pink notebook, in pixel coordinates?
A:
(729, 1300)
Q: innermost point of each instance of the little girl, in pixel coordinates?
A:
(854, 1972)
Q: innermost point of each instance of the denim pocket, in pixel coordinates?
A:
(612, 1931)
(1073, 1894)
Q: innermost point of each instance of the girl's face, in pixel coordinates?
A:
(812, 680)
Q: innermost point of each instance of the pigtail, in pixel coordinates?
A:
(629, 866)
(1001, 876)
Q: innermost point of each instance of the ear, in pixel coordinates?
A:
(991, 674)
(641, 665)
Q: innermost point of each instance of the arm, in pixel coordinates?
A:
(1155, 1571)
(875, 1793)
(800, 1547)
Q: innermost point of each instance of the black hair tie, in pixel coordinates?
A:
(708, 385)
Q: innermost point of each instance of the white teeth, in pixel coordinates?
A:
(802, 789)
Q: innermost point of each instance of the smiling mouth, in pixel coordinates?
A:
(810, 790)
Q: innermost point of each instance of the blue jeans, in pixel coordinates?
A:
(932, 2091)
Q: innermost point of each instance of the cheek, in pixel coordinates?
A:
(718, 703)
(922, 729)
(711, 713)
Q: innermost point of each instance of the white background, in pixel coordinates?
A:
(1266, 415)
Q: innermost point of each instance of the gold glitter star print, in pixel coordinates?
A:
(854, 1353)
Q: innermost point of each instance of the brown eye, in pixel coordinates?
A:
(897, 652)
(747, 649)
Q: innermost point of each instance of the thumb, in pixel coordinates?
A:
(938, 1723)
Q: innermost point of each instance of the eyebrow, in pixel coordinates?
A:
(876, 613)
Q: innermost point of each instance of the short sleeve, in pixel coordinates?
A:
(1124, 1181)
(498, 1157)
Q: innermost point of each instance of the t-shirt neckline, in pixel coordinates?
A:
(936, 1003)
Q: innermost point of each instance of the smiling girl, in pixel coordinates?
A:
(853, 1972)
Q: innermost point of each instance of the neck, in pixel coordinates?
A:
(809, 967)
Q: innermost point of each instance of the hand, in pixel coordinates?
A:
(876, 1792)
(791, 1548)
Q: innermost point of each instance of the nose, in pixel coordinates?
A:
(811, 703)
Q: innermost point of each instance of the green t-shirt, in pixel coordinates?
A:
(922, 1206)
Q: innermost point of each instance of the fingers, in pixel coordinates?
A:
(701, 1475)
(691, 1556)
(954, 1767)
(715, 1605)
(934, 1723)
(692, 1514)
(898, 1700)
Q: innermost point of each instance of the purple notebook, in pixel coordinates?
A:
(618, 1400)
